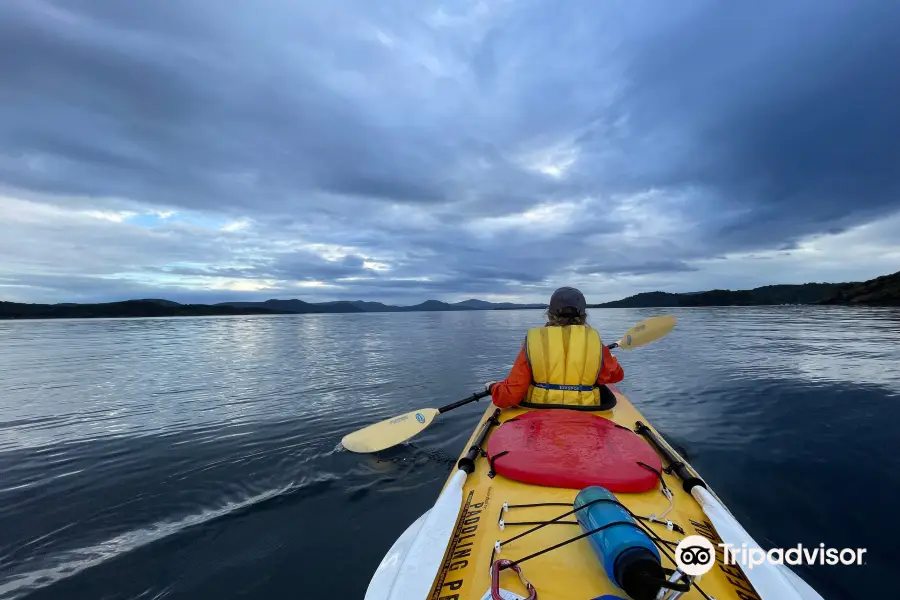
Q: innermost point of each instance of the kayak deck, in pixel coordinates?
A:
(572, 571)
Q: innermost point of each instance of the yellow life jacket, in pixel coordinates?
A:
(565, 363)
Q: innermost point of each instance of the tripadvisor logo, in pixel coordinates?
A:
(695, 555)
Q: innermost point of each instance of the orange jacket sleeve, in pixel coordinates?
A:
(611, 371)
(512, 390)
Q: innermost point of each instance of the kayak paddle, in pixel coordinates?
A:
(408, 569)
(648, 330)
(396, 430)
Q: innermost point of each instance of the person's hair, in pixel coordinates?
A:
(565, 317)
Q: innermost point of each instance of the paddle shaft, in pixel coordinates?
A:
(473, 398)
(689, 480)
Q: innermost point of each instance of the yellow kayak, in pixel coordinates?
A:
(571, 503)
(573, 571)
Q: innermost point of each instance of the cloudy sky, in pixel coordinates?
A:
(202, 150)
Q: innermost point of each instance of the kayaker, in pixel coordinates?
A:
(563, 363)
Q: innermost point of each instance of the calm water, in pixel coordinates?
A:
(199, 457)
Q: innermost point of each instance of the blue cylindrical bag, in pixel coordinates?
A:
(629, 556)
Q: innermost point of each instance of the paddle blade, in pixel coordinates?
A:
(647, 331)
(389, 570)
(389, 432)
(771, 581)
(410, 576)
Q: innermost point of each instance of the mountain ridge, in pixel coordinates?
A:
(154, 307)
(485, 305)
(880, 291)
(126, 308)
(767, 295)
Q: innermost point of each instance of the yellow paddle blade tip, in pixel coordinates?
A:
(648, 330)
(389, 432)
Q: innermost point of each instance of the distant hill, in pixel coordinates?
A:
(879, 291)
(365, 306)
(807, 293)
(484, 305)
(296, 306)
(158, 301)
(354, 306)
(884, 291)
(128, 308)
(435, 305)
(154, 307)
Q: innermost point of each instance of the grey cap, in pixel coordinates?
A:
(567, 297)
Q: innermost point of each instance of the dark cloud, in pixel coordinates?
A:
(786, 111)
(467, 148)
(310, 266)
(635, 268)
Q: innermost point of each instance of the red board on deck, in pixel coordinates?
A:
(572, 449)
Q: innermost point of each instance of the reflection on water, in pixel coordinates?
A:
(199, 457)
